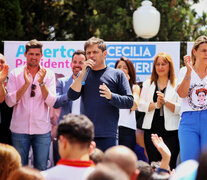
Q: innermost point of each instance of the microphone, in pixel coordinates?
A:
(85, 75)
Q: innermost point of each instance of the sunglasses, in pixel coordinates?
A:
(32, 91)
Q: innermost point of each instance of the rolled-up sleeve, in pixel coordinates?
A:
(143, 99)
(177, 104)
(51, 85)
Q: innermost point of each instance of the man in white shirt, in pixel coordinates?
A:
(75, 134)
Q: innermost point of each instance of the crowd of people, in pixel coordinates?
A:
(94, 131)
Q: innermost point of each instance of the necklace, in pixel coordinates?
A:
(161, 108)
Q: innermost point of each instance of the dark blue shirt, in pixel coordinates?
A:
(104, 113)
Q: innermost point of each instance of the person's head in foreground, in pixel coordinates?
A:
(10, 160)
(26, 173)
(108, 171)
(125, 158)
(97, 155)
(75, 134)
(145, 170)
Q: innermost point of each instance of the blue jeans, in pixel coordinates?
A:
(40, 146)
(192, 134)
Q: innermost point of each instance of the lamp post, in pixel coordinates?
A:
(146, 20)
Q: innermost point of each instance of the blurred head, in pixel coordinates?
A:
(2, 61)
(78, 59)
(160, 176)
(199, 49)
(26, 173)
(163, 66)
(10, 160)
(125, 158)
(107, 171)
(96, 155)
(145, 170)
(127, 67)
(201, 172)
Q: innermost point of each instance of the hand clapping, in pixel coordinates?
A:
(26, 76)
(42, 72)
(160, 98)
(4, 73)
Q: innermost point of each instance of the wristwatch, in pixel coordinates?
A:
(42, 84)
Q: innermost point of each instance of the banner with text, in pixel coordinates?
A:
(57, 55)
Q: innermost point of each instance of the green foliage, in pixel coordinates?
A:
(74, 21)
(81, 19)
(38, 17)
(113, 20)
(10, 17)
(177, 20)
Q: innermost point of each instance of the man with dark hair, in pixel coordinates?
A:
(105, 91)
(145, 170)
(63, 84)
(31, 91)
(75, 134)
(67, 106)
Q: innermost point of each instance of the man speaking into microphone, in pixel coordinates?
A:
(103, 93)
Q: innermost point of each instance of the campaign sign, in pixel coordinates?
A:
(57, 55)
(142, 54)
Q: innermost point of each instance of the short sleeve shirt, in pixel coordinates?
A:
(197, 95)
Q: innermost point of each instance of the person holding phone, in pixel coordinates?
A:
(192, 88)
(161, 104)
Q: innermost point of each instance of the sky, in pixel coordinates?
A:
(200, 7)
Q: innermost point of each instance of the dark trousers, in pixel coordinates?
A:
(56, 155)
(103, 143)
(6, 114)
(127, 137)
(172, 143)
